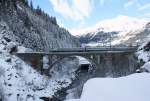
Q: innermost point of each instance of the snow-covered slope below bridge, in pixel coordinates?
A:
(19, 81)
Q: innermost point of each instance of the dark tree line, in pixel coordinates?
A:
(14, 1)
(38, 10)
(8, 3)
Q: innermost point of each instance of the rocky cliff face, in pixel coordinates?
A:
(33, 28)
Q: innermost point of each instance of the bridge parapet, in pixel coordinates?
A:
(82, 51)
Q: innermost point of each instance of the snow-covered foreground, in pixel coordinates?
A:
(135, 87)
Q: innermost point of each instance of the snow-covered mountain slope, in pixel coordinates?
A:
(33, 28)
(20, 82)
(21, 27)
(120, 23)
(143, 54)
(119, 30)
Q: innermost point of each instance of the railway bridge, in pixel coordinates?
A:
(104, 57)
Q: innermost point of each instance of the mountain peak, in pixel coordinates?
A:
(119, 23)
(122, 30)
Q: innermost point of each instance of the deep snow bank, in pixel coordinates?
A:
(130, 88)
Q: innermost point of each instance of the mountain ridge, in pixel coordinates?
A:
(118, 22)
(120, 29)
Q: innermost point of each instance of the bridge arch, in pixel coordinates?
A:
(88, 64)
(60, 58)
(93, 59)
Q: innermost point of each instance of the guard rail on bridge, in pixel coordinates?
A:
(86, 50)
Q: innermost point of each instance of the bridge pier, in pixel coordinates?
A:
(98, 59)
(108, 59)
